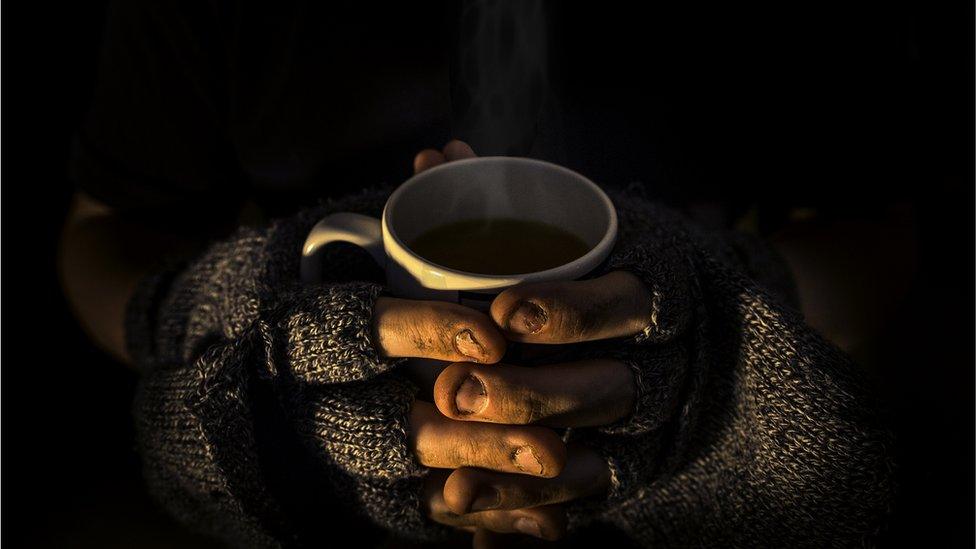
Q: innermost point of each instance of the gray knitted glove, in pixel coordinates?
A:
(664, 250)
(652, 246)
(329, 333)
(235, 325)
(748, 429)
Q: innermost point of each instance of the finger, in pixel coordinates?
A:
(427, 159)
(434, 329)
(443, 443)
(548, 522)
(469, 490)
(575, 394)
(614, 305)
(458, 150)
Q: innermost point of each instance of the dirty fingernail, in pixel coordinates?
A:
(528, 318)
(526, 460)
(528, 526)
(486, 498)
(471, 396)
(468, 345)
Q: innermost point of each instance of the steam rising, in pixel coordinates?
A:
(499, 77)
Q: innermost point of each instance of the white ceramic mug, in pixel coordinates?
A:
(475, 188)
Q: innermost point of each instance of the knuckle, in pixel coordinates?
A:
(446, 329)
(568, 320)
(421, 328)
(593, 314)
(571, 324)
(467, 452)
(422, 340)
(527, 408)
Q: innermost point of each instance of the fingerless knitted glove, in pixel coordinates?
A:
(749, 430)
(232, 341)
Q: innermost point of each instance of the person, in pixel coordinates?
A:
(679, 396)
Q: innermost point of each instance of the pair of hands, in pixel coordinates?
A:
(498, 464)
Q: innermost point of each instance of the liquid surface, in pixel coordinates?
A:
(499, 246)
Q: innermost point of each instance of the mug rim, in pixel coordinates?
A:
(591, 259)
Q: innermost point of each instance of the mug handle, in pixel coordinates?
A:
(362, 230)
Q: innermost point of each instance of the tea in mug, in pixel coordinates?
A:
(499, 246)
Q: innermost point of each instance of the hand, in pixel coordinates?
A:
(451, 332)
(584, 393)
(478, 450)
(500, 488)
(454, 150)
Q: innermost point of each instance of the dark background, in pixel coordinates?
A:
(847, 107)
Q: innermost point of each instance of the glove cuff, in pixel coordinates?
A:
(329, 335)
(659, 374)
(666, 274)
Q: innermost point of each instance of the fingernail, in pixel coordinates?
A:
(528, 318)
(528, 526)
(471, 396)
(524, 458)
(468, 345)
(486, 498)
